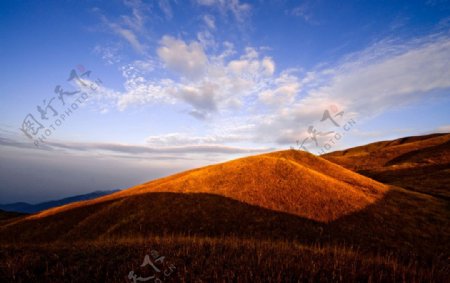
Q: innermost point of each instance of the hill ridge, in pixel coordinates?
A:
(287, 181)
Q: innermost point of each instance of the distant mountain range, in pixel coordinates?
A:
(24, 207)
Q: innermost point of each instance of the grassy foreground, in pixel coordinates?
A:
(210, 260)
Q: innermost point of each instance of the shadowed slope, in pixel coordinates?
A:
(404, 222)
(380, 153)
(416, 163)
(8, 215)
(159, 214)
(291, 181)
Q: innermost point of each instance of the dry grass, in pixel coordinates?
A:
(420, 163)
(291, 181)
(381, 153)
(202, 259)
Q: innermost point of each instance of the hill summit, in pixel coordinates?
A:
(291, 181)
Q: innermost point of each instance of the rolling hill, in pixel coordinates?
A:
(288, 195)
(419, 163)
(292, 182)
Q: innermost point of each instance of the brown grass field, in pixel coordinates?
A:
(286, 216)
(416, 163)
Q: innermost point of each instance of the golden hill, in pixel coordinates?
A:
(419, 163)
(292, 182)
(282, 195)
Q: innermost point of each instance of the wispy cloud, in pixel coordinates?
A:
(186, 59)
(209, 21)
(384, 76)
(280, 104)
(109, 54)
(305, 11)
(175, 145)
(239, 10)
(129, 149)
(165, 6)
(129, 36)
(443, 129)
(129, 26)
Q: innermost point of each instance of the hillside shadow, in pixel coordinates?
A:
(163, 214)
(421, 155)
(430, 179)
(401, 222)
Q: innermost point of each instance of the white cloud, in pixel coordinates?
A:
(164, 5)
(177, 139)
(208, 84)
(110, 54)
(130, 26)
(213, 83)
(188, 60)
(130, 37)
(443, 129)
(221, 131)
(200, 96)
(235, 7)
(208, 2)
(138, 17)
(365, 84)
(142, 66)
(281, 104)
(240, 10)
(268, 66)
(304, 11)
(390, 75)
(286, 88)
(175, 145)
(141, 91)
(209, 21)
(206, 39)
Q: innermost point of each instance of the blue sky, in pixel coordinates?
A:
(179, 84)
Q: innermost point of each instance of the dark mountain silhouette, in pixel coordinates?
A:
(24, 207)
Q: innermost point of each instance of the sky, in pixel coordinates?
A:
(103, 95)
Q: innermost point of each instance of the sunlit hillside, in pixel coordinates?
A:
(419, 163)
